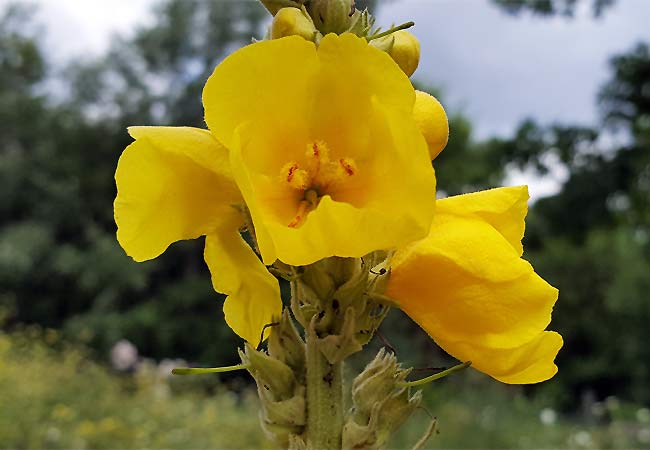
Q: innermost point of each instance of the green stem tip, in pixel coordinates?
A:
(435, 376)
(403, 26)
(202, 370)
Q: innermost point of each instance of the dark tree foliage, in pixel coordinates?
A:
(626, 99)
(592, 240)
(548, 8)
(60, 264)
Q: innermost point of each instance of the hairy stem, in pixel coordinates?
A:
(324, 397)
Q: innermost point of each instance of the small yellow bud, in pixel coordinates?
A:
(273, 6)
(431, 119)
(405, 51)
(290, 22)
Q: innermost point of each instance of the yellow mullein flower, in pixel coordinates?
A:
(175, 183)
(466, 285)
(323, 146)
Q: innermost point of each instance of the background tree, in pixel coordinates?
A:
(551, 7)
(60, 265)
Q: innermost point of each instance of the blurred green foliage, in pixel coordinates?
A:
(61, 133)
(59, 398)
(63, 129)
(55, 397)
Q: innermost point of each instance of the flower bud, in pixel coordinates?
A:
(377, 381)
(290, 22)
(286, 345)
(269, 372)
(273, 6)
(405, 51)
(432, 121)
(331, 16)
(379, 405)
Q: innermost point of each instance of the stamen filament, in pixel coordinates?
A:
(203, 370)
(310, 202)
(302, 209)
(435, 376)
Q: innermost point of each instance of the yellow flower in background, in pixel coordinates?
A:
(175, 183)
(466, 285)
(323, 146)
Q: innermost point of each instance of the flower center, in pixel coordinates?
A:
(317, 177)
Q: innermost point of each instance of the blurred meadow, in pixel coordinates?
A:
(88, 337)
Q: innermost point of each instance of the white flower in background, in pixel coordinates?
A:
(643, 435)
(548, 416)
(643, 415)
(124, 355)
(166, 365)
(581, 439)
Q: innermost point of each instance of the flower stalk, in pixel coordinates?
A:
(314, 155)
(324, 397)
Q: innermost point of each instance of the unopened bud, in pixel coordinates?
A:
(273, 6)
(405, 51)
(331, 16)
(380, 406)
(377, 381)
(430, 117)
(292, 21)
(395, 411)
(286, 344)
(270, 373)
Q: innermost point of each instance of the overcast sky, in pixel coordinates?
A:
(496, 68)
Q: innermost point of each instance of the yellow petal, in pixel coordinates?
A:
(354, 99)
(173, 183)
(351, 68)
(532, 362)
(253, 293)
(466, 285)
(390, 205)
(432, 121)
(503, 208)
(267, 84)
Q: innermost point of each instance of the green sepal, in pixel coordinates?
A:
(331, 16)
(377, 381)
(290, 413)
(384, 44)
(361, 22)
(337, 347)
(286, 345)
(272, 374)
(380, 405)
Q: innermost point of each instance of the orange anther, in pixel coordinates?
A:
(348, 166)
(291, 172)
